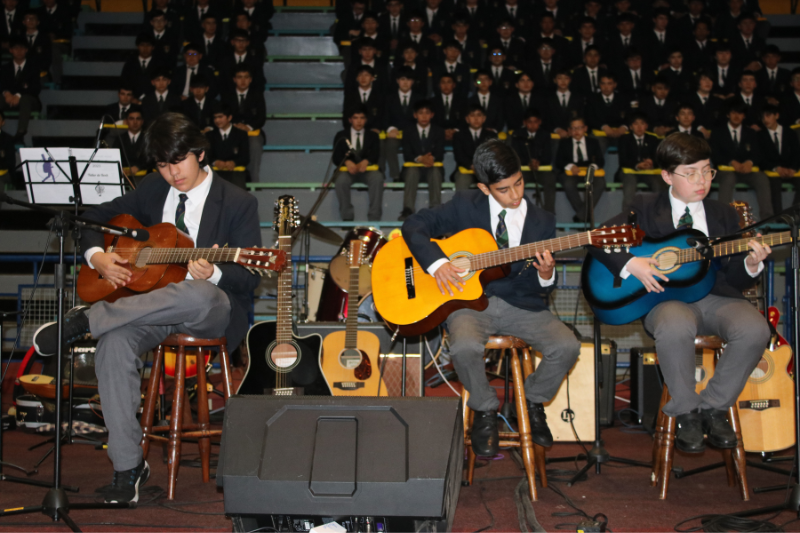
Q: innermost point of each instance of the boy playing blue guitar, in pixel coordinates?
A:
(686, 168)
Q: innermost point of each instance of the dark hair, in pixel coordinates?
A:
(410, 44)
(546, 41)
(610, 75)
(153, 13)
(484, 72)
(563, 72)
(546, 15)
(771, 49)
(770, 109)
(626, 17)
(530, 113)
(356, 109)
(366, 68)
(684, 105)
(144, 38)
(661, 11)
(416, 13)
(193, 46)
(705, 73)
(471, 108)
(592, 48)
(703, 20)
(674, 49)
(637, 115)
(161, 72)
(238, 34)
(135, 109)
(208, 15)
(171, 137)
(223, 108)
(505, 22)
(369, 15)
(747, 73)
(519, 75)
(19, 41)
(404, 72)
(461, 17)
(737, 107)
(744, 16)
(587, 20)
(242, 13)
(495, 161)
(125, 85)
(419, 105)
(447, 75)
(451, 43)
(198, 80)
(241, 67)
(681, 149)
(723, 47)
(633, 52)
(365, 42)
(661, 79)
(30, 12)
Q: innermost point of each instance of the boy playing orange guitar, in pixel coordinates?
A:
(517, 303)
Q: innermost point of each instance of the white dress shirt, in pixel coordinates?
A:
(354, 138)
(133, 137)
(515, 222)
(575, 144)
(196, 199)
(431, 13)
(738, 131)
(779, 131)
(190, 71)
(363, 94)
(401, 94)
(226, 132)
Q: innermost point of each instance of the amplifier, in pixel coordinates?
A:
(393, 462)
(646, 386)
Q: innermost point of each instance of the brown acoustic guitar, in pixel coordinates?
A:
(348, 356)
(409, 300)
(162, 260)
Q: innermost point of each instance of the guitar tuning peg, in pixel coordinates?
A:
(606, 249)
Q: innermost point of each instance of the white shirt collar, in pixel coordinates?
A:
(200, 103)
(561, 95)
(159, 95)
(638, 138)
(514, 219)
(696, 210)
(684, 130)
(237, 56)
(159, 34)
(226, 131)
(198, 194)
(20, 66)
(609, 97)
(778, 130)
(243, 93)
(477, 132)
(426, 129)
(737, 129)
(402, 95)
(362, 92)
(134, 136)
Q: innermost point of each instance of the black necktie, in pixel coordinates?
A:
(447, 107)
(358, 142)
(636, 80)
(735, 140)
(394, 28)
(241, 102)
(580, 152)
(18, 75)
(639, 147)
(594, 81)
(564, 101)
(546, 70)
(452, 68)
(180, 214)
(608, 101)
(772, 77)
(405, 103)
(224, 137)
(524, 102)
(703, 98)
(483, 102)
(777, 142)
(363, 98)
(30, 39)
(475, 136)
(144, 64)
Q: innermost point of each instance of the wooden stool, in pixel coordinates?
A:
(178, 429)
(532, 454)
(664, 441)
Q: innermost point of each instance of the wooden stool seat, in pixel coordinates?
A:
(664, 439)
(532, 454)
(178, 428)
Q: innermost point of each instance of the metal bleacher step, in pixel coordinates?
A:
(299, 75)
(102, 47)
(298, 102)
(301, 46)
(88, 20)
(54, 99)
(302, 24)
(301, 132)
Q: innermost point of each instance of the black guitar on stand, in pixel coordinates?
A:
(280, 362)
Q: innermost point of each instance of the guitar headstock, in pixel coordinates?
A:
(356, 253)
(262, 260)
(287, 215)
(615, 238)
(745, 213)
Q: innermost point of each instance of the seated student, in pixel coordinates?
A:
(661, 41)
(11, 26)
(622, 40)
(543, 68)
(40, 47)
(260, 14)
(586, 37)
(399, 117)
(503, 78)
(193, 66)
(746, 46)
(547, 29)
(772, 81)
(517, 303)
(448, 107)
(165, 39)
(369, 30)
(131, 144)
(437, 17)
(348, 24)
(213, 45)
(576, 151)
(162, 100)
(532, 144)
(249, 114)
(415, 33)
(366, 57)
(423, 143)
(699, 50)
(563, 106)
(119, 109)
(607, 111)
(367, 93)
(172, 16)
(681, 79)
(634, 81)
(199, 108)
(8, 158)
(559, 15)
(780, 152)
(790, 103)
(243, 21)
(480, 18)
(193, 16)
(686, 167)
(686, 120)
(466, 141)
(685, 25)
(419, 69)
(471, 51)
(726, 75)
(586, 79)
(139, 68)
(513, 47)
(242, 54)
(21, 84)
(450, 65)
(660, 108)
(391, 22)
(518, 102)
(229, 147)
(737, 146)
(518, 13)
(492, 102)
(637, 151)
(591, 12)
(707, 109)
(365, 152)
(753, 102)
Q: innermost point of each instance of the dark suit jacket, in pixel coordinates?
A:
(695, 59)
(505, 82)
(515, 110)
(59, 23)
(253, 61)
(741, 55)
(382, 42)
(369, 151)
(16, 27)
(767, 88)
(462, 77)
(481, 24)
(516, 52)
(414, 147)
(630, 154)
(420, 79)
(41, 51)
(731, 81)
(536, 70)
(114, 111)
(581, 80)
(8, 152)
(235, 148)
(193, 32)
(539, 148)
(151, 107)
(495, 114)
(395, 116)
(212, 55)
(790, 108)
(472, 52)
(617, 52)
(455, 119)
(132, 154)
(260, 19)
(556, 116)
(564, 154)
(723, 151)
(680, 85)
(654, 53)
(708, 115)
(254, 111)
(625, 83)
(29, 81)
(230, 215)
(167, 47)
(753, 115)
(138, 78)
(464, 145)
(203, 118)
(599, 114)
(376, 107)
(179, 79)
(470, 209)
(385, 25)
(654, 216)
(381, 73)
(573, 55)
(428, 51)
(658, 116)
(788, 157)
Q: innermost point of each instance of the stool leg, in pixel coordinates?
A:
(150, 399)
(658, 439)
(523, 423)
(527, 363)
(540, 464)
(225, 363)
(176, 423)
(738, 453)
(666, 456)
(468, 415)
(204, 443)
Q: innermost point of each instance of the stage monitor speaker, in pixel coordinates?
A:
(646, 386)
(305, 460)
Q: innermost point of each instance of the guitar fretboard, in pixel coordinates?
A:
(283, 322)
(689, 255)
(351, 325)
(526, 251)
(184, 255)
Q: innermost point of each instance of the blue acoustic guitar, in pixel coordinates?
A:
(691, 275)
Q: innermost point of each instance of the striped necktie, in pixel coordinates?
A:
(180, 213)
(501, 233)
(685, 222)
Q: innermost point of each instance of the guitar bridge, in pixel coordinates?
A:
(410, 286)
(285, 391)
(759, 405)
(348, 385)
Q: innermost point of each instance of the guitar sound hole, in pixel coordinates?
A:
(350, 359)
(761, 369)
(699, 374)
(283, 355)
(667, 260)
(143, 257)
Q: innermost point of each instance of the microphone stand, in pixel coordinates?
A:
(538, 188)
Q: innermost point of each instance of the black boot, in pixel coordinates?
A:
(718, 428)
(485, 436)
(540, 432)
(76, 327)
(689, 432)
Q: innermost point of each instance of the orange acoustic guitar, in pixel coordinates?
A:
(163, 259)
(409, 300)
(349, 359)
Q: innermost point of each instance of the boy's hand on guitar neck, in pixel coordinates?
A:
(201, 269)
(758, 253)
(446, 275)
(642, 269)
(108, 266)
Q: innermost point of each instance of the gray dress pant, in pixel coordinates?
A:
(547, 183)
(256, 145)
(388, 158)
(463, 181)
(412, 177)
(27, 105)
(570, 184)
(758, 181)
(469, 330)
(674, 325)
(374, 181)
(132, 326)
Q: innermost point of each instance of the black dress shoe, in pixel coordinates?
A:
(689, 436)
(540, 432)
(76, 327)
(485, 435)
(718, 428)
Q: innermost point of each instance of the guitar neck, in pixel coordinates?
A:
(184, 255)
(351, 324)
(526, 251)
(283, 330)
(689, 255)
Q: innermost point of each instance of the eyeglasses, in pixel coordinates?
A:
(192, 54)
(693, 178)
(497, 53)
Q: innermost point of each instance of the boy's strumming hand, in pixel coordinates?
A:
(447, 275)
(640, 268)
(108, 266)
